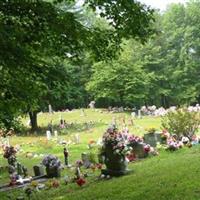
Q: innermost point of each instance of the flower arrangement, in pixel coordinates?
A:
(174, 145)
(51, 161)
(116, 140)
(134, 139)
(10, 155)
(79, 163)
(9, 151)
(147, 148)
(151, 130)
(121, 143)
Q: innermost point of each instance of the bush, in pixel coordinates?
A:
(10, 125)
(181, 122)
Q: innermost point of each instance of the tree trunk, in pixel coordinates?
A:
(33, 119)
(164, 102)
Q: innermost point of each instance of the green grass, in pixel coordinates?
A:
(169, 176)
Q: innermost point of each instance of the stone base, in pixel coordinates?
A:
(53, 173)
(115, 173)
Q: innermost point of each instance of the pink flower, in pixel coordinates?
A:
(147, 148)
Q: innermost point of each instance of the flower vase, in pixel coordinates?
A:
(116, 164)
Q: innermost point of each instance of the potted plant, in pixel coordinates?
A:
(53, 166)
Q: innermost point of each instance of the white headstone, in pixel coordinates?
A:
(77, 139)
(48, 134)
(92, 104)
(50, 109)
(56, 134)
(139, 114)
(85, 159)
(133, 114)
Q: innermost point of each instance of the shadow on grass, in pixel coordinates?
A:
(69, 128)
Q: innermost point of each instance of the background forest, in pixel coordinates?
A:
(67, 55)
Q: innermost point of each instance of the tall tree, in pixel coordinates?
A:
(33, 33)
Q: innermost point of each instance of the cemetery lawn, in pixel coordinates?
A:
(169, 176)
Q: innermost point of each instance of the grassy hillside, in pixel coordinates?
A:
(169, 176)
(165, 177)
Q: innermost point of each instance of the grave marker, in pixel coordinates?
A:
(48, 134)
(85, 159)
(50, 109)
(77, 139)
(139, 114)
(56, 134)
(38, 170)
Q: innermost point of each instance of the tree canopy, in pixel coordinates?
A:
(164, 71)
(41, 41)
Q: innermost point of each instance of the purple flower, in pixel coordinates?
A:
(51, 161)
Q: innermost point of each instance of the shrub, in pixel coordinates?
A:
(181, 122)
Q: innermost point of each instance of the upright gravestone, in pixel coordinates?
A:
(48, 135)
(85, 159)
(139, 114)
(133, 115)
(138, 150)
(92, 104)
(38, 170)
(56, 134)
(50, 109)
(77, 139)
(150, 138)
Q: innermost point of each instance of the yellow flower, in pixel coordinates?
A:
(34, 183)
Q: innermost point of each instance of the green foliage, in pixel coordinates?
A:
(120, 14)
(119, 81)
(43, 45)
(167, 64)
(181, 122)
(10, 125)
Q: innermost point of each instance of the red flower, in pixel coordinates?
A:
(147, 148)
(80, 181)
(131, 157)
